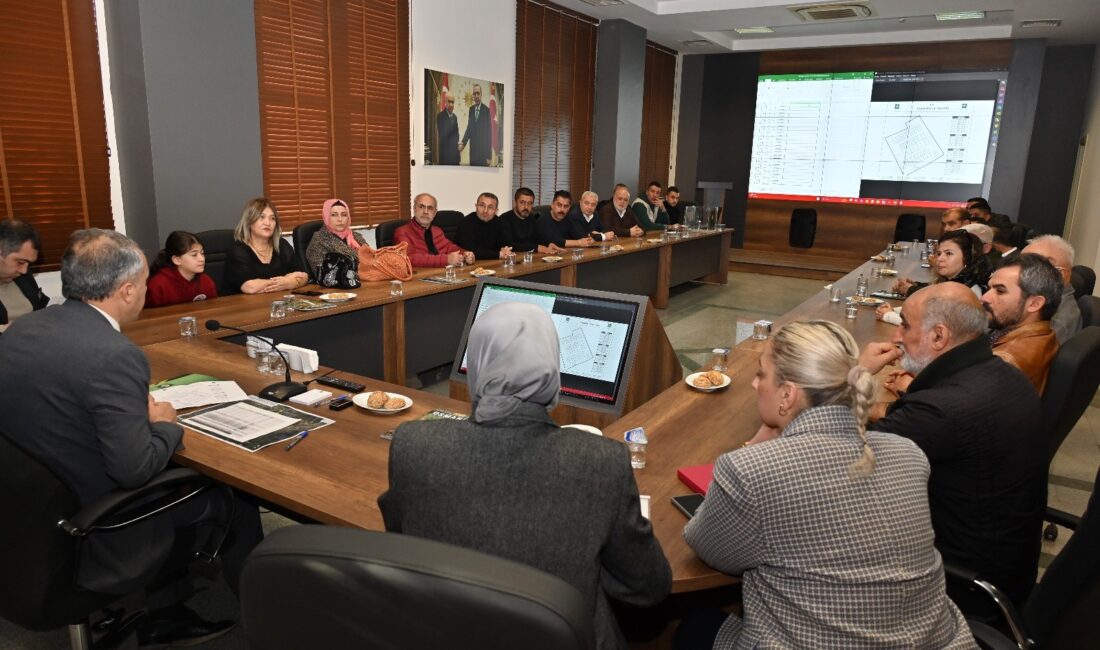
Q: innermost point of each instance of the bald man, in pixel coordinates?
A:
(977, 419)
(1057, 251)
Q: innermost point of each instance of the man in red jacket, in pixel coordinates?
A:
(428, 246)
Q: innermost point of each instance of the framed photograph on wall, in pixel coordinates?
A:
(463, 120)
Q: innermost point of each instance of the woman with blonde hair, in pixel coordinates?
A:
(259, 261)
(827, 523)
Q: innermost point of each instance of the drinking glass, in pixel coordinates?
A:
(188, 327)
(278, 309)
(397, 288)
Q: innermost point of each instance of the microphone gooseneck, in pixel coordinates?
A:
(279, 392)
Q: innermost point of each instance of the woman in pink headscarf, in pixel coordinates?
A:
(336, 237)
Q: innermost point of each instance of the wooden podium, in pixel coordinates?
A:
(655, 367)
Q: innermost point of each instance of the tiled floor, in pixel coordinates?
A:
(699, 317)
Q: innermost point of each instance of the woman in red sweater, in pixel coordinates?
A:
(177, 273)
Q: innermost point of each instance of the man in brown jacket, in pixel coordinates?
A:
(1023, 295)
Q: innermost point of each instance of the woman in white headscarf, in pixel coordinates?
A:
(512, 483)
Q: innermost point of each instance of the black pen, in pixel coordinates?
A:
(297, 438)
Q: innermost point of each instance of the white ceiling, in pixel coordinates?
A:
(670, 22)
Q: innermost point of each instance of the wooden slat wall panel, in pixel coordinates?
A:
(660, 79)
(555, 74)
(334, 106)
(53, 134)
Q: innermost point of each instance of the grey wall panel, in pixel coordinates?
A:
(203, 106)
(1021, 95)
(135, 158)
(1059, 119)
(617, 118)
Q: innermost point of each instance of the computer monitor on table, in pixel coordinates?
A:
(598, 334)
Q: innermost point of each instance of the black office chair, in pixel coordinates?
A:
(1083, 280)
(44, 525)
(383, 234)
(909, 227)
(216, 245)
(1021, 234)
(1090, 310)
(368, 589)
(302, 235)
(448, 221)
(541, 211)
(803, 228)
(1061, 610)
(601, 203)
(1072, 384)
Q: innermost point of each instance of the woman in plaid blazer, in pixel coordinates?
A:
(828, 524)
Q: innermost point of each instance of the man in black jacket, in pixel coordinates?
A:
(479, 132)
(977, 419)
(19, 293)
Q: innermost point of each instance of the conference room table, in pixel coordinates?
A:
(385, 336)
(336, 475)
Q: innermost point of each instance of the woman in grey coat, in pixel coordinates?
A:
(512, 483)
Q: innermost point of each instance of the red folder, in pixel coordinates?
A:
(697, 477)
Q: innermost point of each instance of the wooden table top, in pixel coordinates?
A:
(336, 475)
(687, 427)
(252, 312)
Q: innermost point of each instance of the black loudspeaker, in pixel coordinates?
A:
(803, 228)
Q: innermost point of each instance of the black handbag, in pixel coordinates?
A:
(338, 271)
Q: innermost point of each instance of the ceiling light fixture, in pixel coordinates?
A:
(960, 15)
(753, 30)
(603, 3)
(1046, 22)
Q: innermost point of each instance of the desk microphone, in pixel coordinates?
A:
(279, 392)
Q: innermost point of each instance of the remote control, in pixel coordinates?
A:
(340, 404)
(344, 384)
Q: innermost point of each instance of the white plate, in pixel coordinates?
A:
(867, 302)
(654, 241)
(484, 273)
(550, 259)
(336, 297)
(690, 378)
(361, 401)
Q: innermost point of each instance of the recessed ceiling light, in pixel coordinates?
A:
(603, 3)
(698, 42)
(1047, 22)
(753, 30)
(960, 15)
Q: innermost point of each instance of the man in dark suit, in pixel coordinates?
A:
(76, 396)
(977, 419)
(511, 483)
(447, 126)
(479, 132)
(19, 293)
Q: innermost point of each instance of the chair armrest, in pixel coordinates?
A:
(1008, 610)
(163, 491)
(1061, 518)
(989, 637)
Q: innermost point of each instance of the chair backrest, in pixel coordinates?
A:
(448, 221)
(541, 211)
(1072, 383)
(368, 589)
(1061, 610)
(216, 245)
(1083, 280)
(803, 227)
(909, 227)
(601, 203)
(383, 235)
(1021, 234)
(1090, 310)
(302, 235)
(38, 559)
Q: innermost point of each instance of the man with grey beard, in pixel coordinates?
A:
(977, 419)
